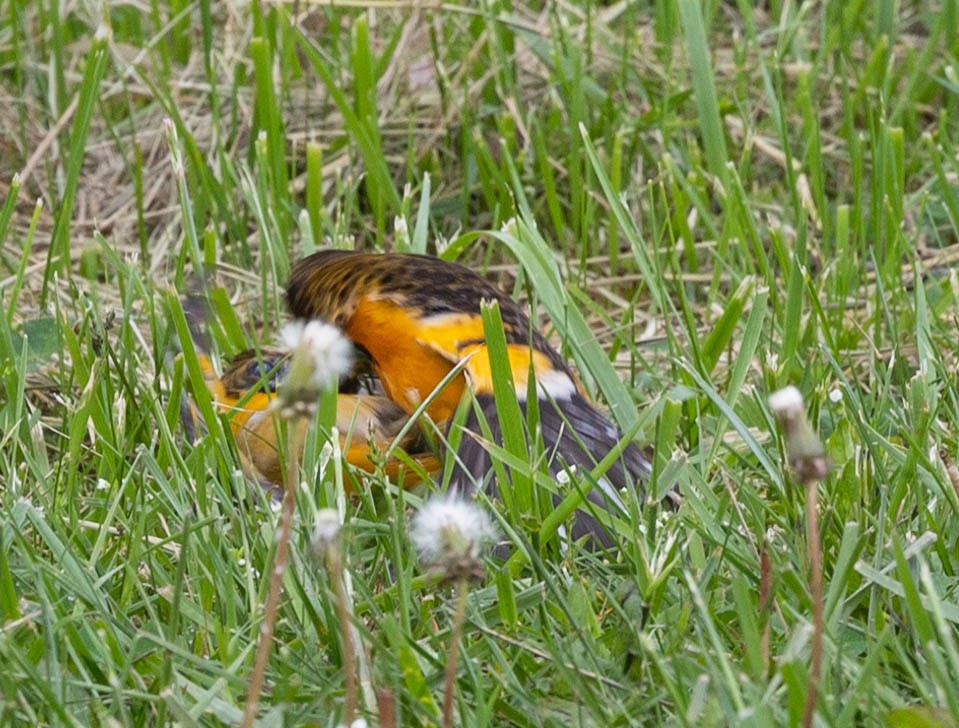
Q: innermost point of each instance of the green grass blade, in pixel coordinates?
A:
(704, 87)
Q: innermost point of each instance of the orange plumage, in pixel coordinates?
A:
(418, 317)
(368, 424)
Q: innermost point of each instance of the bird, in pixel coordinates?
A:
(418, 317)
(368, 424)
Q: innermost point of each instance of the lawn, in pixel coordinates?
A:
(701, 202)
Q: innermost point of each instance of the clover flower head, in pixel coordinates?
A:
(449, 535)
(326, 530)
(319, 356)
(807, 454)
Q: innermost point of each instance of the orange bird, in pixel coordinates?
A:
(368, 423)
(418, 317)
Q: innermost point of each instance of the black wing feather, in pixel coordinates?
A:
(593, 437)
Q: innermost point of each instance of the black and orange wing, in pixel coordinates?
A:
(418, 317)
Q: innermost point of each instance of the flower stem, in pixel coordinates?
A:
(258, 677)
(459, 617)
(815, 591)
(335, 568)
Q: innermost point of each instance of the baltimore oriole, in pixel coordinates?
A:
(368, 423)
(418, 317)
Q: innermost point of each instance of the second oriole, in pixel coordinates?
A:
(418, 317)
(368, 423)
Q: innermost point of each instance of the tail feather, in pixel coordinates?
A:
(574, 434)
(197, 314)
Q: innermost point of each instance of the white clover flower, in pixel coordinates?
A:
(565, 477)
(447, 529)
(330, 353)
(320, 354)
(357, 723)
(807, 455)
(786, 403)
(326, 530)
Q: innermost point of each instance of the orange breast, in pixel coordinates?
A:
(408, 369)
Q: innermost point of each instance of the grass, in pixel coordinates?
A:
(709, 200)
